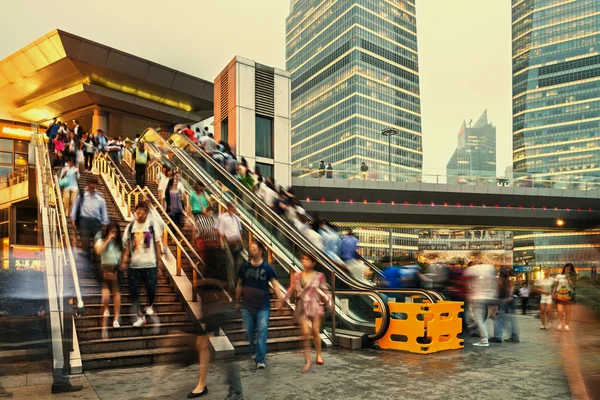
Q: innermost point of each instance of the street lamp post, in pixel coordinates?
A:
(389, 132)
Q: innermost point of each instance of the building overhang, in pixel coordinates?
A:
(61, 72)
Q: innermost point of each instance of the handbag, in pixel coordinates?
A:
(109, 273)
(63, 182)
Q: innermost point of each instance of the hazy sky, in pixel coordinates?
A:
(464, 49)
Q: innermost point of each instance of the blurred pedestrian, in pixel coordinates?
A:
(163, 181)
(505, 311)
(89, 149)
(329, 171)
(174, 199)
(524, 294)
(101, 141)
(253, 281)
(78, 130)
(141, 163)
(544, 287)
(142, 258)
(310, 290)
(563, 293)
(363, 171)
(199, 199)
(109, 245)
(113, 150)
(350, 257)
(89, 214)
(484, 291)
(68, 181)
(230, 230)
(52, 132)
(322, 169)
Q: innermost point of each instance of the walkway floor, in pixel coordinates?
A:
(532, 369)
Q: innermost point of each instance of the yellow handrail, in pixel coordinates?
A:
(130, 198)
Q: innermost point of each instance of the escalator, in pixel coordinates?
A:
(284, 243)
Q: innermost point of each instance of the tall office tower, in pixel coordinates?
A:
(556, 111)
(474, 160)
(556, 90)
(354, 67)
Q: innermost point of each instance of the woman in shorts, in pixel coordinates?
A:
(109, 245)
(544, 288)
(562, 293)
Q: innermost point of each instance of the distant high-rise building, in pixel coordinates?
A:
(556, 115)
(474, 160)
(556, 90)
(354, 67)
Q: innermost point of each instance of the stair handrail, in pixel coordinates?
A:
(106, 165)
(52, 183)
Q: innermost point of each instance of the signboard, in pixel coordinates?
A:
(523, 268)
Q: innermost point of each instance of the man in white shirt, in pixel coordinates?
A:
(484, 291)
(208, 143)
(142, 257)
(229, 227)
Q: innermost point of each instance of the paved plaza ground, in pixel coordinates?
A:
(533, 369)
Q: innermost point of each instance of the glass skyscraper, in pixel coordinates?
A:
(474, 160)
(354, 67)
(556, 90)
(556, 114)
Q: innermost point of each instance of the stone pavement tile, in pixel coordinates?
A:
(43, 392)
(39, 379)
(130, 385)
(11, 381)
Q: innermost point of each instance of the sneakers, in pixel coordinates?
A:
(513, 340)
(543, 327)
(482, 343)
(149, 310)
(106, 314)
(116, 324)
(261, 365)
(567, 328)
(140, 321)
(234, 396)
(495, 340)
(559, 328)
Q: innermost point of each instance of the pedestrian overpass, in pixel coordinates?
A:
(419, 204)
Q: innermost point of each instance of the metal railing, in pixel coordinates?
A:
(130, 197)
(60, 266)
(383, 175)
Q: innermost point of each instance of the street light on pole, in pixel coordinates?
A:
(389, 132)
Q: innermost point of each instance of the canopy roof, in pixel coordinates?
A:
(61, 72)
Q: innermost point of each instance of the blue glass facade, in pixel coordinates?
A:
(355, 72)
(556, 89)
(556, 114)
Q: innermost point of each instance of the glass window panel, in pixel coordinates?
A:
(5, 169)
(21, 159)
(264, 137)
(6, 145)
(21, 146)
(6, 158)
(266, 170)
(225, 130)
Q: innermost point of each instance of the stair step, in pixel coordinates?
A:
(133, 357)
(274, 332)
(88, 289)
(98, 309)
(96, 298)
(91, 321)
(85, 334)
(85, 281)
(274, 344)
(136, 343)
(237, 324)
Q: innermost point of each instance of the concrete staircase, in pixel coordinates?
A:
(284, 333)
(162, 339)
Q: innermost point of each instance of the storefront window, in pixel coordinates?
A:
(21, 146)
(6, 145)
(20, 159)
(6, 158)
(264, 137)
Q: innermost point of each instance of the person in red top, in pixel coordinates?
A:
(188, 131)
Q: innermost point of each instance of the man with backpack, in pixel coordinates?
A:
(141, 257)
(89, 214)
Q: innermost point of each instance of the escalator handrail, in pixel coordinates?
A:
(46, 169)
(294, 234)
(280, 223)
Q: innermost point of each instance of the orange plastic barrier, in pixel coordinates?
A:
(422, 327)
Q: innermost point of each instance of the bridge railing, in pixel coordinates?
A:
(384, 175)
